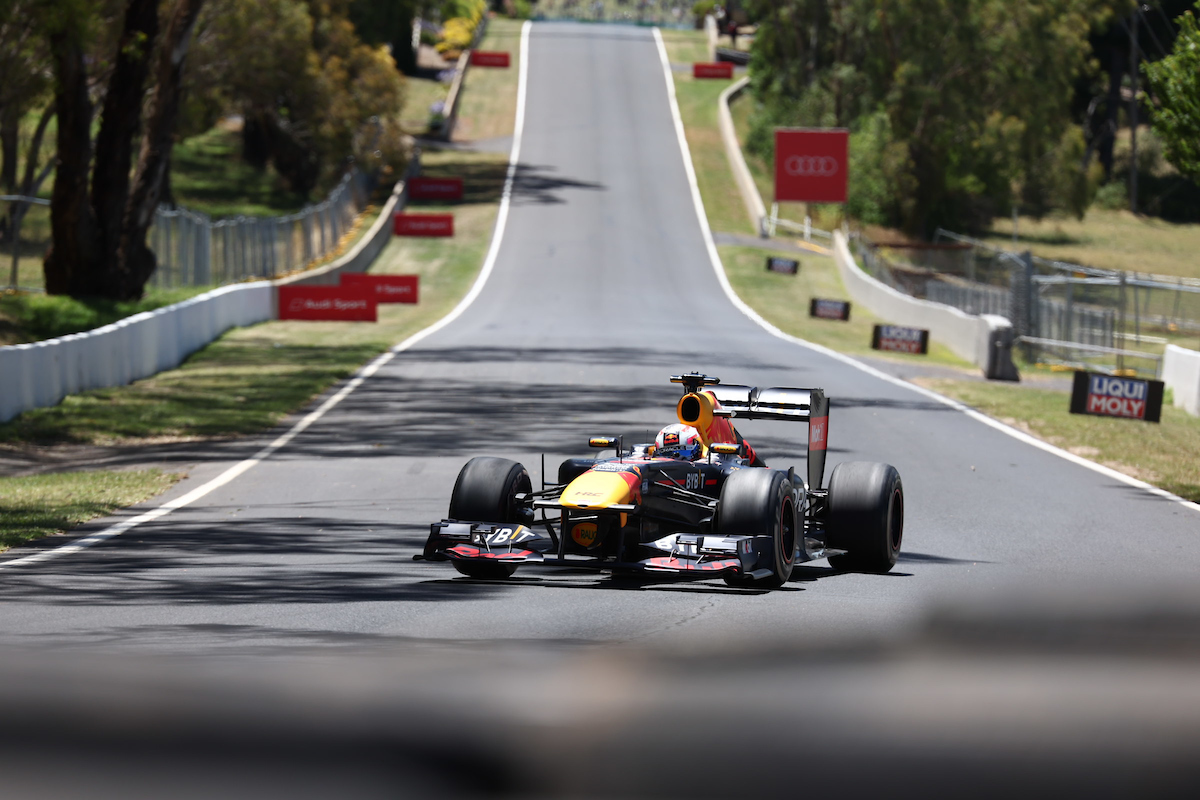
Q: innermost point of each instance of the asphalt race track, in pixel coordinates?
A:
(602, 289)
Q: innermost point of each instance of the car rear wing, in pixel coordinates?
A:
(782, 403)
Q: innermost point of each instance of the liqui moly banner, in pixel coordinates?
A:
(345, 303)
(721, 69)
(810, 165)
(386, 288)
(424, 225)
(1107, 396)
(489, 58)
(785, 266)
(422, 188)
(829, 309)
(899, 339)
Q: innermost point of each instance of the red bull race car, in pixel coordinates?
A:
(697, 502)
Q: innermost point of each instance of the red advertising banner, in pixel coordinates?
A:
(424, 225)
(386, 288)
(489, 58)
(810, 165)
(345, 303)
(721, 69)
(435, 188)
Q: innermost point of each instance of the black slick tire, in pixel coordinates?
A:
(759, 502)
(485, 492)
(866, 516)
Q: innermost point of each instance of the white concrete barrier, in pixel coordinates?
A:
(965, 334)
(43, 373)
(1181, 374)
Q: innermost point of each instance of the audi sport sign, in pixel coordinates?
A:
(489, 58)
(899, 339)
(424, 224)
(386, 288)
(810, 165)
(346, 303)
(829, 309)
(721, 69)
(435, 188)
(1106, 396)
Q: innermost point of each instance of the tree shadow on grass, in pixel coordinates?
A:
(483, 182)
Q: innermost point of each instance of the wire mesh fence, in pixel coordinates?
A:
(194, 250)
(662, 13)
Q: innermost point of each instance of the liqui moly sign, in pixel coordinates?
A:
(829, 309)
(899, 339)
(1109, 396)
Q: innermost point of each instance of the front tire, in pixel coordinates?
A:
(486, 491)
(760, 502)
(866, 516)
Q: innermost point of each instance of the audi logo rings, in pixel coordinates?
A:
(811, 166)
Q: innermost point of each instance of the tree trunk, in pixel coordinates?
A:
(137, 260)
(71, 263)
(10, 117)
(119, 123)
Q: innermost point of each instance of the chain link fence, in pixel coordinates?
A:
(193, 250)
(661, 13)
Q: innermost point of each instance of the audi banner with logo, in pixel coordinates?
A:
(810, 165)
(899, 339)
(1107, 396)
(785, 266)
(424, 224)
(386, 288)
(344, 303)
(829, 309)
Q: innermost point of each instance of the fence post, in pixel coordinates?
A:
(1022, 300)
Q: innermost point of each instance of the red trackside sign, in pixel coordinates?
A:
(899, 339)
(489, 58)
(422, 188)
(424, 225)
(386, 288)
(810, 165)
(345, 303)
(721, 69)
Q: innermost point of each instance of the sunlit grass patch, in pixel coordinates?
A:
(1163, 454)
(42, 505)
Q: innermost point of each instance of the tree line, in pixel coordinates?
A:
(94, 94)
(959, 110)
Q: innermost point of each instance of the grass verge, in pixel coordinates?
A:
(783, 300)
(1163, 454)
(489, 95)
(43, 505)
(1106, 239)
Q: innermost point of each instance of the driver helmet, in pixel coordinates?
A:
(678, 441)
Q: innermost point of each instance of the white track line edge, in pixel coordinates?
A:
(361, 376)
(719, 269)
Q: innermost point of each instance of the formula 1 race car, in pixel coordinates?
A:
(712, 509)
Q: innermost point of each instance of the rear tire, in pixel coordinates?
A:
(866, 516)
(760, 502)
(486, 491)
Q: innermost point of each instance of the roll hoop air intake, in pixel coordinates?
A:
(699, 406)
